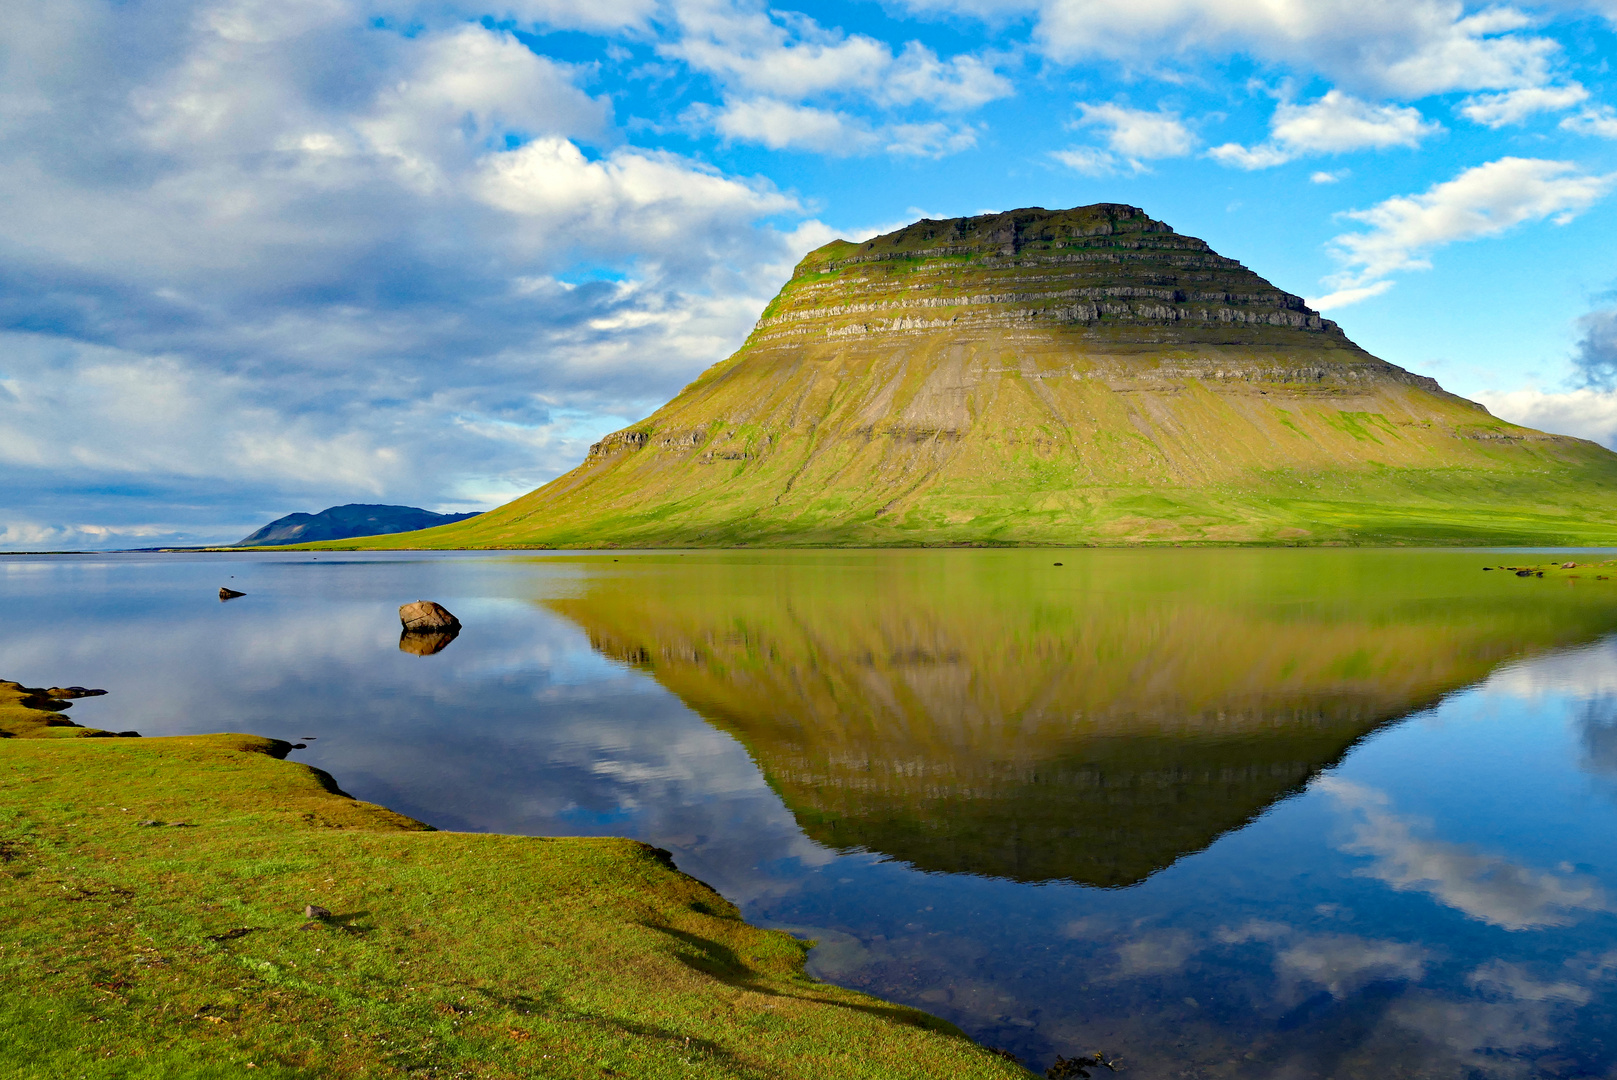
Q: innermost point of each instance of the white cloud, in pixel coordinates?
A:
(1515, 106)
(791, 57)
(1600, 120)
(1480, 202)
(1132, 137)
(1408, 48)
(1139, 133)
(305, 259)
(929, 140)
(1489, 888)
(780, 125)
(1093, 161)
(1587, 414)
(592, 15)
(1334, 124)
(1334, 177)
(1343, 297)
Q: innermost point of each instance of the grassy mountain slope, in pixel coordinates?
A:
(1082, 376)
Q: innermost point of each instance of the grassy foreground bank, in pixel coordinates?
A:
(152, 896)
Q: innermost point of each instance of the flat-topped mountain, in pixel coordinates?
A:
(1056, 377)
(345, 522)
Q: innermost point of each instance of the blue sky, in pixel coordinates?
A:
(259, 256)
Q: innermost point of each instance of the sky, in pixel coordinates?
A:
(265, 256)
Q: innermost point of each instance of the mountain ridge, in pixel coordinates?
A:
(346, 522)
(1079, 376)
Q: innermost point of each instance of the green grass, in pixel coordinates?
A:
(180, 950)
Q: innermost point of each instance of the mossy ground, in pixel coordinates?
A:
(179, 949)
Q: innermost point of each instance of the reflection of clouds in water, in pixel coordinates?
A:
(1597, 732)
(1513, 981)
(1516, 1012)
(1486, 887)
(519, 727)
(1338, 964)
(1342, 964)
(1585, 671)
(1156, 954)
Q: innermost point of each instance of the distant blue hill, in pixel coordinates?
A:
(343, 522)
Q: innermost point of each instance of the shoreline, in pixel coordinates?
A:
(155, 889)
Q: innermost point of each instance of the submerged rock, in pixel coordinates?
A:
(424, 616)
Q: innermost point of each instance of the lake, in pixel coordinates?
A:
(1245, 813)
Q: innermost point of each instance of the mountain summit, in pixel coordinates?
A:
(1056, 377)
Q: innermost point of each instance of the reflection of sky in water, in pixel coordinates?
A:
(1440, 904)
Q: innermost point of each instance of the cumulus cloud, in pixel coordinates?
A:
(590, 15)
(1600, 121)
(1131, 137)
(1489, 888)
(791, 57)
(781, 125)
(1335, 124)
(1483, 201)
(1407, 48)
(1586, 413)
(1515, 106)
(261, 257)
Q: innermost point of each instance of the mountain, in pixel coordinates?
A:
(345, 522)
(1056, 377)
(986, 712)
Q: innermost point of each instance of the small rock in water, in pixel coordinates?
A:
(424, 616)
(229, 594)
(315, 911)
(1524, 573)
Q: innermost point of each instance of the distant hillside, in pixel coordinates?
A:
(345, 522)
(1085, 376)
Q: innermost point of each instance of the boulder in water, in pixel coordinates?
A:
(426, 617)
(229, 594)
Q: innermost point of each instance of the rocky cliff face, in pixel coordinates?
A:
(1104, 268)
(1075, 376)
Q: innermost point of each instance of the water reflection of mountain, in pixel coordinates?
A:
(990, 713)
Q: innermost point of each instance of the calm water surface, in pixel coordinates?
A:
(1218, 813)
